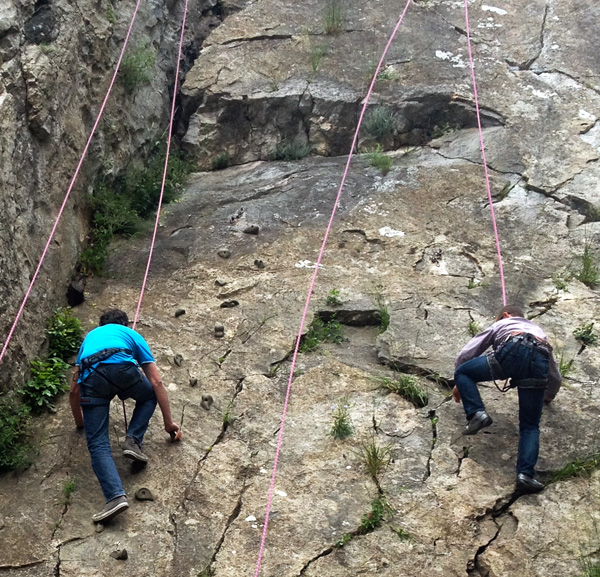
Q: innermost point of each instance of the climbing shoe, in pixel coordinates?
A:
(132, 450)
(527, 484)
(112, 508)
(478, 421)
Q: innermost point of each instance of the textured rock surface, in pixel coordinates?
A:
(417, 240)
(56, 60)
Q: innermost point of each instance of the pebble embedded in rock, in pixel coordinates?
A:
(178, 359)
(259, 263)
(99, 527)
(193, 381)
(224, 253)
(252, 229)
(121, 554)
(207, 401)
(219, 331)
(220, 282)
(229, 304)
(179, 312)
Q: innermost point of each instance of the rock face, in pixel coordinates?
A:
(56, 60)
(416, 243)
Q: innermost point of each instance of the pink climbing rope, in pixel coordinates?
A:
(62, 208)
(164, 177)
(310, 291)
(482, 146)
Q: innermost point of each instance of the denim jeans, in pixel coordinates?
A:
(518, 361)
(108, 380)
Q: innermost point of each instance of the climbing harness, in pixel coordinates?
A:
(535, 346)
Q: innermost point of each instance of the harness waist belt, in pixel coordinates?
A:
(100, 356)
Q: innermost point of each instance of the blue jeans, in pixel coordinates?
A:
(108, 380)
(518, 361)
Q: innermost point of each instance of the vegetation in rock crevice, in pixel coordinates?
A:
(408, 388)
(119, 206)
(39, 393)
(320, 332)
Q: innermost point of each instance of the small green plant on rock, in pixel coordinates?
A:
(345, 539)
(408, 388)
(380, 510)
(341, 428)
(137, 69)
(590, 567)
(561, 281)
(320, 332)
(379, 160)
(402, 534)
(221, 161)
(588, 274)
(334, 17)
(585, 335)
(564, 366)
(474, 328)
(316, 54)
(378, 122)
(333, 298)
(69, 488)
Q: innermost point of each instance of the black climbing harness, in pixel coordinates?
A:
(103, 355)
(524, 340)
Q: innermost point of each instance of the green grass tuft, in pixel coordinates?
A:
(408, 388)
(341, 428)
(375, 457)
(379, 122)
(334, 17)
(588, 274)
(379, 160)
(577, 468)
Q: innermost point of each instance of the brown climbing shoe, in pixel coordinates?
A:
(132, 450)
(111, 509)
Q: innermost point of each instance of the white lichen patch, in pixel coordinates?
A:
(493, 9)
(250, 519)
(585, 115)
(390, 232)
(457, 61)
(306, 264)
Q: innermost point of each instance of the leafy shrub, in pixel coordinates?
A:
(585, 334)
(380, 509)
(64, 332)
(47, 381)
(379, 122)
(118, 207)
(14, 452)
(333, 298)
(320, 332)
(137, 67)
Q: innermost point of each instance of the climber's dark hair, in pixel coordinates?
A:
(114, 317)
(512, 310)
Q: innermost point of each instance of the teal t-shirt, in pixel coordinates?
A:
(117, 337)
